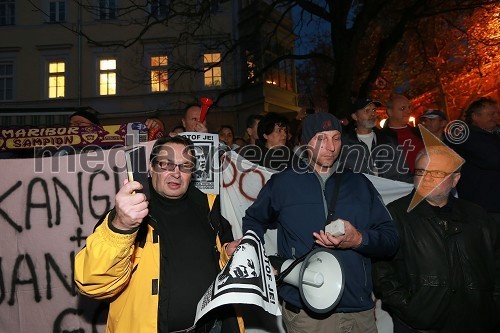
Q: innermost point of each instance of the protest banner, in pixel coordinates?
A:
(206, 176)
(48, 206)
(247, 278)
(16, 138)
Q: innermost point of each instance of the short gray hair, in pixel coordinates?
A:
(442, 151)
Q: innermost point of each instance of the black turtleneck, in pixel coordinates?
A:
(188, 264)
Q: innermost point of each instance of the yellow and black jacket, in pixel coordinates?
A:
(125, 269)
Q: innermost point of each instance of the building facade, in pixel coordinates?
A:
(130, 60)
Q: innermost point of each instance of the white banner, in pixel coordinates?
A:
(247, 278)
(48, 206)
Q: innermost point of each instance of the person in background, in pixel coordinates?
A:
(240, 142)
(271, 150)
(226, 135)
(299, 202)
(367, 149)
(154, 259)
(191, 119)
(407, 136)
(480, 182)
(445, 276)
(83, 118)
(252, 125)
(435, 121)
(178, 129)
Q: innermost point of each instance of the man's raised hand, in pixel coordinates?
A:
(131, 207)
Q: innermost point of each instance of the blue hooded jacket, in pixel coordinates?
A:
(295, 202)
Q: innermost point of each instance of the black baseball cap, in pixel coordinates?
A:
(361, 103)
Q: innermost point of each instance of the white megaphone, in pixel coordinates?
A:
(319, 277)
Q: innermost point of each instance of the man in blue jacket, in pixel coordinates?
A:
(298, 202)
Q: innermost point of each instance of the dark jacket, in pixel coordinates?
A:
(446, 273)
(480, 180)
(294, 201)
(384, 160)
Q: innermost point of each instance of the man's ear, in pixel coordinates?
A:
(150, 169)
(473, 116)
(183, 123)
(354, 116)
(456, 178)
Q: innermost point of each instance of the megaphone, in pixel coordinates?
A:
(319, 277)
(206, 103)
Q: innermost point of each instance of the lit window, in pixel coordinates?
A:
(7, 12)
(107, 9)
(280, 75)
(159, 74)
(107, 77)
(56, 79)
(6, 81)
(57, 11)
(213, 70)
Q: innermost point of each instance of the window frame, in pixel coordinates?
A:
(280, 75)
(8, 8)
(106, 10)
(162, 69)
(107, 72)
(5, 78)
(209, 65)
(57, 76)
(57, 18)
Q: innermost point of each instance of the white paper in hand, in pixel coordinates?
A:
(335, 228)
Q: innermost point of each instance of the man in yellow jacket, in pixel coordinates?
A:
(155, 259)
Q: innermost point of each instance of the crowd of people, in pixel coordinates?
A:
(435, 267)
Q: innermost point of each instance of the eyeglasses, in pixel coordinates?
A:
(170, 166)
(433, 173)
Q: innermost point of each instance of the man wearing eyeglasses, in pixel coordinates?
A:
(155, 259)
(445, 276)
